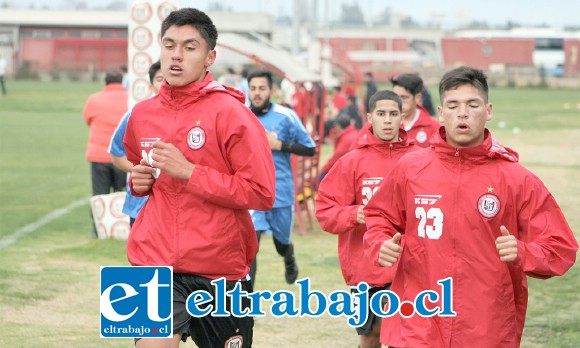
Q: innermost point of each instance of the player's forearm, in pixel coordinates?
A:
(122, 163)
(335, 219)
(232, 191)
(297, 149)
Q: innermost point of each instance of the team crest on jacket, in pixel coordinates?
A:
(421, 136)
(235, 342)
(488, 205)
(196, 138)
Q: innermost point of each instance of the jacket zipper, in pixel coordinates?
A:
(454, 271)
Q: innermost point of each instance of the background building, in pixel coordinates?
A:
(74, 43)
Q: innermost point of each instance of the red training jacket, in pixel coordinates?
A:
(350, 183)
(202, 225)
(423, 128)
(450, 203)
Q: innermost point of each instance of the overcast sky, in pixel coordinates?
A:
(558, 13)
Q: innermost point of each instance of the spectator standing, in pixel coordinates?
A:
(301, 101)
(338, 99)
(351, 109)
(371, 88)
(102, 112)
(3, 74)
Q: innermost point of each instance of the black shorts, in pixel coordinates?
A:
(367, 327)
(210, 331)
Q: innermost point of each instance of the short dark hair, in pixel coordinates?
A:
(384, 95)
(464, 75)
(261, 73)
(155, 67)
(113, 77)
(197, 19)
(342, 120)
(411, 82)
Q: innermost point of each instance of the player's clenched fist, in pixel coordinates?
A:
(142, 177)
(171, 161)
(390, 251)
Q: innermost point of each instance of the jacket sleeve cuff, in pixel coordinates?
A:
(371, 251)
(520, 259)
(352, 218)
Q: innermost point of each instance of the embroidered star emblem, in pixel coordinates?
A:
(198, 122)
(490, 189)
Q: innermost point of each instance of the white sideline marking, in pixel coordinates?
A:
(55, 214)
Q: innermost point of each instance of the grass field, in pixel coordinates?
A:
(49, 276)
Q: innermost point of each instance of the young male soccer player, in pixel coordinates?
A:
(287, 136)
(417, 121)
(470, 212)
(348, 187)
(211, 164)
